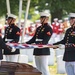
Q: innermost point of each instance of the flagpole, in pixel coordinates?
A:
(20, 13)
(8, 6)
(25, 20)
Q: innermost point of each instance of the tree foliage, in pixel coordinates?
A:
(58, 8)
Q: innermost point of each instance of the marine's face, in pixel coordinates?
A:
(10, 21)
(72, 21)
(44, 20)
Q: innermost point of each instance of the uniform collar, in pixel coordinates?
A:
(12, 25)
(45, 23)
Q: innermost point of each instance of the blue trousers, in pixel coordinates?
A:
(70, 68)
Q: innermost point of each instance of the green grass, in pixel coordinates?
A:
(53, 70)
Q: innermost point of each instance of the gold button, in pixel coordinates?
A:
(67, 42)
(68, 34)
(65, 46)
(41, 42)
(72, 30)
(36, 35)
(38, 30)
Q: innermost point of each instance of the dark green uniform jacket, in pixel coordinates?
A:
(42, 36)
(3, 46)
(69, 41)
(12, 32)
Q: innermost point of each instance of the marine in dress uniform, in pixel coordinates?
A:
(61, 29)
(31, 29)
(55, 27)
(69, 42)
(42, 36)
(12, 34)
(3, 46)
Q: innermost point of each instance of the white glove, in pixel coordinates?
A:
(61, 46)
(13, 49)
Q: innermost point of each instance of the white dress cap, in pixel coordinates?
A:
(55, 19)
(60, 21)
(72, 15)
(12, 15)
(66, 18)
(45, 14)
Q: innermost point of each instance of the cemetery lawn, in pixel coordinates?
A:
(53, 70)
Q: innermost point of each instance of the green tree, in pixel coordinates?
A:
(58, 8)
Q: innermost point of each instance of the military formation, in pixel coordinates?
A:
(62, 32)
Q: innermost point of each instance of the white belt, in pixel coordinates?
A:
(39, 39)
(8, 39)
